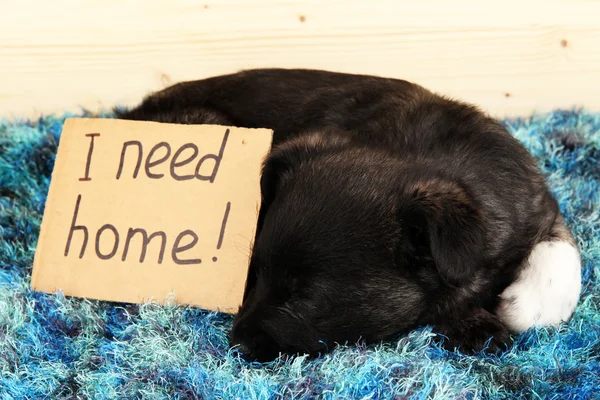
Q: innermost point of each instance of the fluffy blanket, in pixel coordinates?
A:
(57, 347)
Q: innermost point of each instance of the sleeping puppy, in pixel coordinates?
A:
(384, 207)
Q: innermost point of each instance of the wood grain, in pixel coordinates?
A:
(511, 57)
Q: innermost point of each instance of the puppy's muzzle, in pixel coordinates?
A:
(252, 341)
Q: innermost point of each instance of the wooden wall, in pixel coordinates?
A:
(510, 57)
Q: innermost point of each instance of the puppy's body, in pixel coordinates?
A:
(385, 207)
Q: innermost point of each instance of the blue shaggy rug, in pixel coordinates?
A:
(57, 347)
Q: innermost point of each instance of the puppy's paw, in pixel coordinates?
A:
(481, 331)
(546, 290)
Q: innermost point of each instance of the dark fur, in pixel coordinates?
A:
(385, 207)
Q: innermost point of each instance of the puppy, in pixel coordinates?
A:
(384, 207)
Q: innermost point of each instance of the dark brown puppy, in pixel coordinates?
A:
(384, 207)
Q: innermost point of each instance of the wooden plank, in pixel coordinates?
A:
(516, 58)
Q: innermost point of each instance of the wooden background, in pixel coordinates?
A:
(510, 57)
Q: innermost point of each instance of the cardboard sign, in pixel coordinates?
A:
(146, 211)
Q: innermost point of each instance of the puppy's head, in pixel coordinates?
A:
(348, 242)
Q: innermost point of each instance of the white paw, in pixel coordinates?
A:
(547, 289)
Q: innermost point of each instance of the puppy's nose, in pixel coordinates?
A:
(242, 348)
(245, 351)
(254, 344)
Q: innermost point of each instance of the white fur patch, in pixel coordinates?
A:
(546, 290)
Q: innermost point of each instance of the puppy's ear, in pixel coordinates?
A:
(443, 213)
